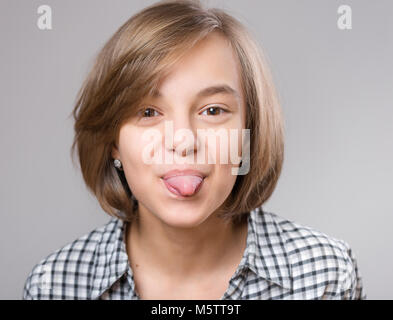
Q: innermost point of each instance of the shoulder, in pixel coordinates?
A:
(66, 272)
(316, 260)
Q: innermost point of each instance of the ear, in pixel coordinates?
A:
(115, 153)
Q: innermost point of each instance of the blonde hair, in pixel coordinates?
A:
(129, 67)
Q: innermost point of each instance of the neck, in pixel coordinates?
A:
(212, 245)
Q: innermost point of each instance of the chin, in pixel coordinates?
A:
(183, 218)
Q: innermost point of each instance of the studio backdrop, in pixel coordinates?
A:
(333, 68)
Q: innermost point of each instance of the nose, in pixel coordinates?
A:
(181, 139)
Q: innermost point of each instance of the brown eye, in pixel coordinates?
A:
(213, 111)
(148, 113)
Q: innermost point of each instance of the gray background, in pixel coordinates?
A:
(336, 92)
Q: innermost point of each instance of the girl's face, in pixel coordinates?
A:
(183, 103)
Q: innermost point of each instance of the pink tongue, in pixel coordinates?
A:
(185, 185)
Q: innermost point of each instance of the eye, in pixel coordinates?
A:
(214, 110)
(148, 112)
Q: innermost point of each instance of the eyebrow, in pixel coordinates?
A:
(208, 91)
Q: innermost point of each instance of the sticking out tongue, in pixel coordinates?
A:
(183, 185)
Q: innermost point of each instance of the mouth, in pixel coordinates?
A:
(184, 186)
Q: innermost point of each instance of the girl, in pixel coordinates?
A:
(181, 228)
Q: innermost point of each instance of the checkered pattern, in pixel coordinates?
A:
(282, 260)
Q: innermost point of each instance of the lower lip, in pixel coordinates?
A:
(177, 194)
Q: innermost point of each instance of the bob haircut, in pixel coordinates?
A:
(130, 66)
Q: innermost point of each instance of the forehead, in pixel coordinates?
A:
(210, 67)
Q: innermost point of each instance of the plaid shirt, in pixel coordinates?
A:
(282, 260)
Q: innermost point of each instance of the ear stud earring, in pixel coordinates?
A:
(117, 164)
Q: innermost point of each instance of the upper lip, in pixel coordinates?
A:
(187, 172)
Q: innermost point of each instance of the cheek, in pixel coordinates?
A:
(137, 173)
(228, 147)
(223, 180)
(131, 148)
(222, 183)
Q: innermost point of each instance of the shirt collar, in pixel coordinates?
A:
(265, 253)
(111, 259)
